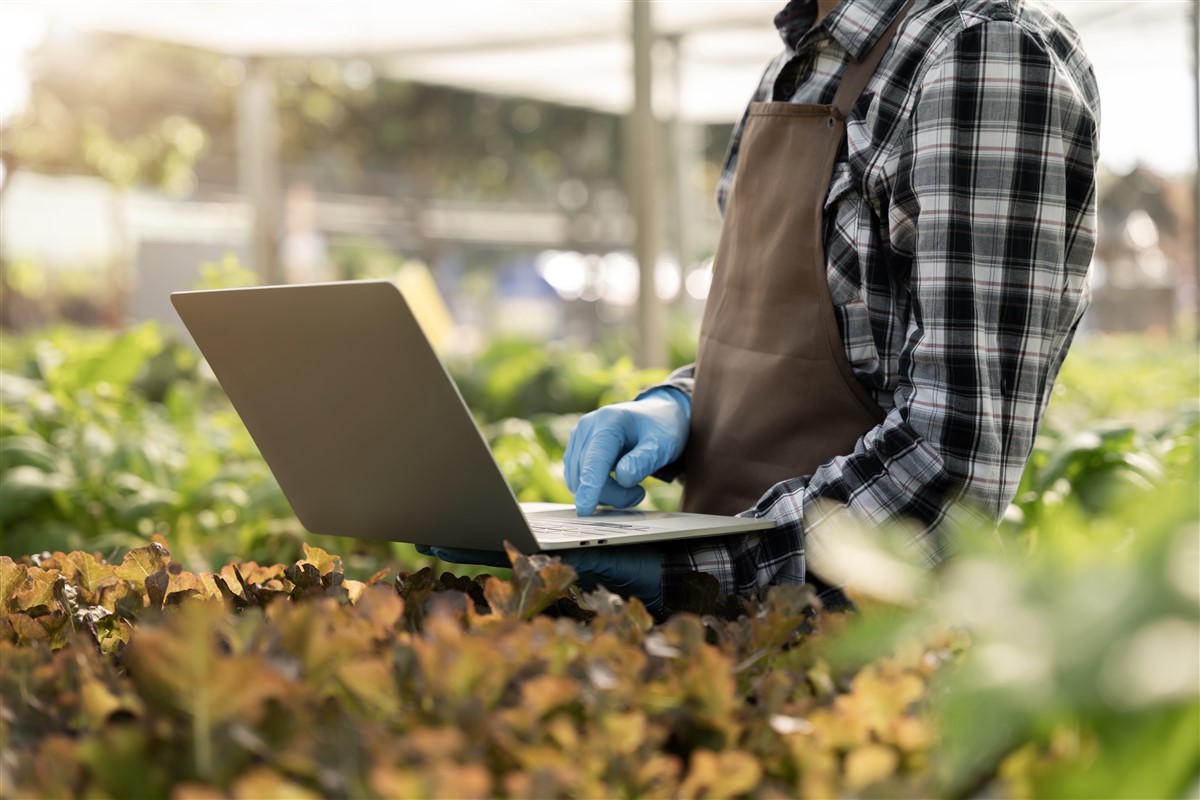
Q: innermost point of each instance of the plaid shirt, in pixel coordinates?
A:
(959, 229)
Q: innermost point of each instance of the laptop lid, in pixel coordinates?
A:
(355, 414)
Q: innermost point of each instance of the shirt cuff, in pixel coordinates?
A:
(680, 391)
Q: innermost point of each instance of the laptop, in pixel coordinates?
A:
(367, 434)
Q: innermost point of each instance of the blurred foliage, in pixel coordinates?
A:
(97, 107)
(108, 439)
(364, 258)
(153, 113)
(226, 272)
(1124, 418)
(519, 378)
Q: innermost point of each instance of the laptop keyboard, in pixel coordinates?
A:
(560, 528)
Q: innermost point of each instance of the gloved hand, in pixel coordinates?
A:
(632, 571)
(633, 439)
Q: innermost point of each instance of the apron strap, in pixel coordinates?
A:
(858, 74)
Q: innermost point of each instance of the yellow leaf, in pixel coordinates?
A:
(12, 575)
(726, 774)
(99, 703)
(430, 744)
(382, 575)
(869, 764)
(372, 684)
(196, 791)
(252, 572)
(263, 783)
(89, 573)
(379, 608)
(388, 781)
(143, 562)
(39, 590)
(115, 638)
(208, 586)
(354, 590)
(624, 733)
(179, 665)
(911, 734)
(184, 581)
(544, 693)
(324, 562)
(461, 781)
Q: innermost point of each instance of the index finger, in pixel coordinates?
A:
(575, 446)
(600, 453)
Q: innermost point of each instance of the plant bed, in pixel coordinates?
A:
(144, 680)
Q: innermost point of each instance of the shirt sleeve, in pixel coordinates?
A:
(991, 226)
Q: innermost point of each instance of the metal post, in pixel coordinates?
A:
(685, 142)
(643, 184)
(258, 166)
(1196, 173)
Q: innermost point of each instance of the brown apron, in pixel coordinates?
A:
(775, 396)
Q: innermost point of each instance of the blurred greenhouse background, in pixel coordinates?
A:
(514, 162)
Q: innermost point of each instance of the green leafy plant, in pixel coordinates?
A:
(108, 439)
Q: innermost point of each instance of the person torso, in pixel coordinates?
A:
(866, 239)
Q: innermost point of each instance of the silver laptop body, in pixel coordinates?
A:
(366, 432)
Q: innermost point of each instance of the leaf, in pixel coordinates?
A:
(263, 783)
(782, 617)
(12, 576)
(39, 593)
(381, 575)
(249, 590)
(354, 590)
(379, 610)
(726, 774)
(90, 573)
(253, 572)
(869, 764)
(371, 684)
(115, 634)
(143, 562)
(156, 588)
(120, 361)
(500, 596)
(196, 791)
(232, 599)
(179, 666)
(175, 598)
(22, 488)
(414, 589)
(624, 733)
(538, 581)
(546, 693)
(30, 451)
(305, 577)
(17, 390)
(185, 581)
(324, 562)
(99, 702)
(26, 628)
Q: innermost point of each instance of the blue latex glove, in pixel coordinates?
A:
(632, 440)
(629, 571)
